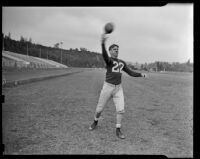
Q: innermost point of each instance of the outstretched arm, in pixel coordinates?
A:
(131, 72)
(104, 52)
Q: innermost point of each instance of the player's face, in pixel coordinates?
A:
(114, 52)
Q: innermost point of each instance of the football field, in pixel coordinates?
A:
(53, 116)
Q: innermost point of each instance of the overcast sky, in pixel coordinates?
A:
(144, 34)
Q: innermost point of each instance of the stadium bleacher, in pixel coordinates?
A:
(19, 60)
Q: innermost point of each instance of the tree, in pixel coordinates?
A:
(9, 35)
(30, 40)
(22, 39)
(188, 62)
(83, 49)
(56, 45)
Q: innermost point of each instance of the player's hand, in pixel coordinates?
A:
(103, 38)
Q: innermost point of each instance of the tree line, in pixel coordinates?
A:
(82, 57)
(158, 66)
(72, 57)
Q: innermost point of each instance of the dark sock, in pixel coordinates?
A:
(96, 122)
(98, 115)
(118, 129)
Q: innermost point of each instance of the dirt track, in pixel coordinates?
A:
(53, 116)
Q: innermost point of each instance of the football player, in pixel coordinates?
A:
(112, 87)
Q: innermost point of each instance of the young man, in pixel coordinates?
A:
(112, 85)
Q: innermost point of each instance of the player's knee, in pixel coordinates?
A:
(121, 111)
(99, 110)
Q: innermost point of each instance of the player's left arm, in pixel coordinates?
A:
(131, 72)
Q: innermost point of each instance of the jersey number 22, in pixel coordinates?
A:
(117, 66)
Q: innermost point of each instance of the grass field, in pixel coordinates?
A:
(53, 116)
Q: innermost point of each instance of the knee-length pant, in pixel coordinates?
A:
(111, 91)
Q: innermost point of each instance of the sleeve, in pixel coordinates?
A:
(131, 72)
(105, 54)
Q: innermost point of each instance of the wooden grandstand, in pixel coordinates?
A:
(11, 59)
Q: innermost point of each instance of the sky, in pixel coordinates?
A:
(144, 34)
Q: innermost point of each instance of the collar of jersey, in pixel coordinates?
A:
(115, 58)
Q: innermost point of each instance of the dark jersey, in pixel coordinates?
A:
(114, 68)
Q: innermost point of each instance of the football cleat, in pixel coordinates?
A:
(119, 134)
(93, 126)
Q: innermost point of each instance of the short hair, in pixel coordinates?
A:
(113, 45)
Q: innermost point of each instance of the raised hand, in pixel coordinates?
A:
(103, 38)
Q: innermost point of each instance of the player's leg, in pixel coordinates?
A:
(103, 99)
(118, 99)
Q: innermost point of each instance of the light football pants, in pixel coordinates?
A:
(111, 91)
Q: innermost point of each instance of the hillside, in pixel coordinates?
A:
(71, 58)
(82, 57)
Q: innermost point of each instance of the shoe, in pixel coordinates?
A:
(119, 134)
(94, 125)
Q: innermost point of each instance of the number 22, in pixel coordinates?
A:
(117, 66)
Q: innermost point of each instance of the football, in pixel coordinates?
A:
(109, 27)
